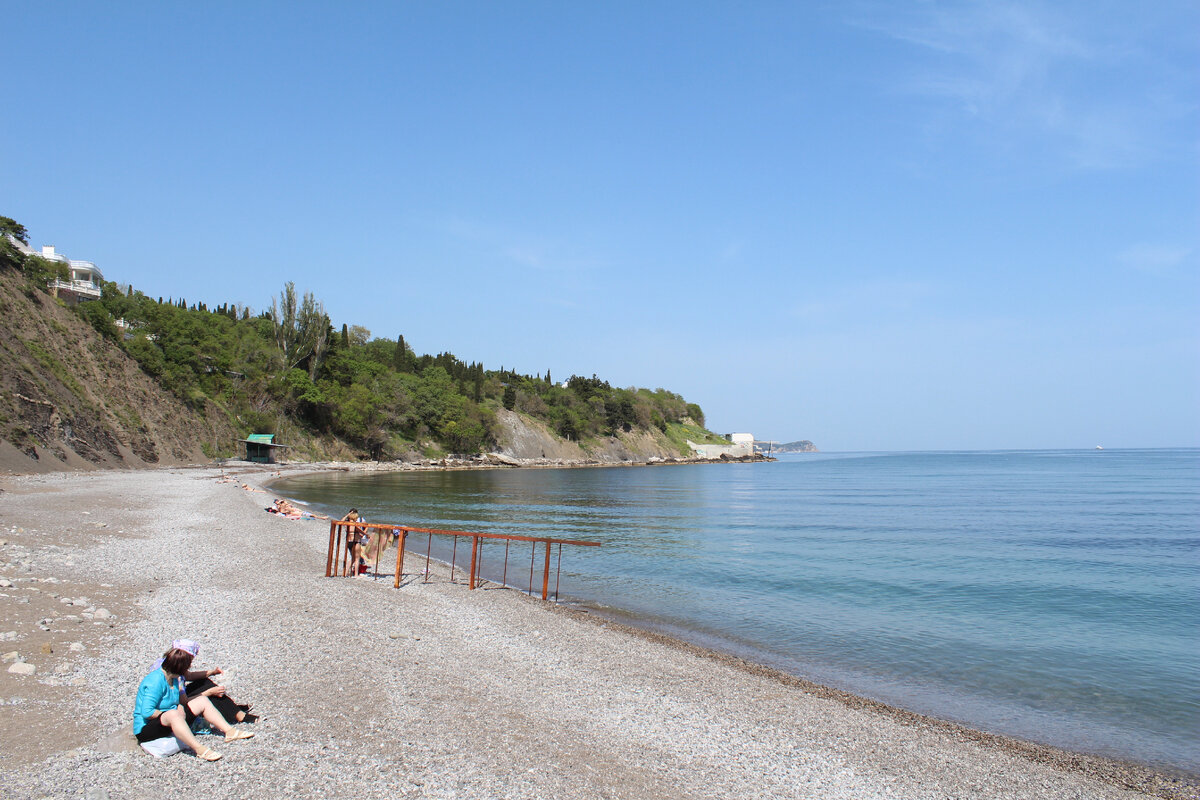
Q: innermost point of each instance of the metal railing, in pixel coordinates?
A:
(338, 557)
(79, 287)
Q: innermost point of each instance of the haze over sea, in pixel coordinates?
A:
(1049, 595)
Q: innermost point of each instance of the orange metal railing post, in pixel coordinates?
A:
(329, 555)
(474, 561)
(343, 552)
(546, 573)
(558, 572)
(428, 546)
(532, 556)
(504, 575)
(400, 557)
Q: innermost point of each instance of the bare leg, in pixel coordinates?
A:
(175, 720)
(203, 707)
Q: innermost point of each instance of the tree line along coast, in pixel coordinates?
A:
(329, 390)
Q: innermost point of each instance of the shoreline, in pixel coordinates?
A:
(635, 713)
(1127, 773)
(1119, 771)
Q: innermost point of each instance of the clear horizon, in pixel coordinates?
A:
(951, 226)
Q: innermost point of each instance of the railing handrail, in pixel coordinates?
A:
(335, 545)
(442, 532)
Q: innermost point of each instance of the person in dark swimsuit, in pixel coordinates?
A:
(355, 539)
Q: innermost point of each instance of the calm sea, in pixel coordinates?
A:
(1050, 595)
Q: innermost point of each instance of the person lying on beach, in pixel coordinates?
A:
(285, 507)
(200, 682)
(289, 510)
(161, 709)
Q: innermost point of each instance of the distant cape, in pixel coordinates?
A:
(803, 446)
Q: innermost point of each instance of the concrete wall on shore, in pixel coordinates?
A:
(717, 450)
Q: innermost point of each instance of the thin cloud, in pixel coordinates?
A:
(871, 300)
(520, 249)
(1154, 258)
(1032, 70)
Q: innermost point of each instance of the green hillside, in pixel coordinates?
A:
(291, 370)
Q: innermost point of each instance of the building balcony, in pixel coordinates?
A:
(83, 289)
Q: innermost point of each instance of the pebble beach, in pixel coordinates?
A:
(426, 691)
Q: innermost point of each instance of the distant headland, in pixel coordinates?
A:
(802, 446)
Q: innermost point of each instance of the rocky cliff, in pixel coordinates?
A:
(70, 399)
(525, 439)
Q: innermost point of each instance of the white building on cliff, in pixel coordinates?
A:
(84, 280)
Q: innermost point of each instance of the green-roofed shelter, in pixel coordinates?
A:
(260, 448)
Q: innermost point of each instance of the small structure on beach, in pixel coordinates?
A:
(260, 448)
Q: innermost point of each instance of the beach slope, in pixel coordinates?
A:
(429, 690)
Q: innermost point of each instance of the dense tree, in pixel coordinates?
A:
(400, 359)
(15, 229)
(301, 334)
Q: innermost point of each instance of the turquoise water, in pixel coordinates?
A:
(1050, 595)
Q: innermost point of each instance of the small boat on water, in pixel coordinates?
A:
(1098, 447)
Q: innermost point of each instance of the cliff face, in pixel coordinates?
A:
(70, 399)
(525, 438)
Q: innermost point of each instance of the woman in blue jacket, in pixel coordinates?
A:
(162, 710)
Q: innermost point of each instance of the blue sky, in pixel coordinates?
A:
(912, 225)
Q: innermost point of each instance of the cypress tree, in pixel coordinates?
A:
(400, 361)
(345, 336)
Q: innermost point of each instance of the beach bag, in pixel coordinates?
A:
(161, 748)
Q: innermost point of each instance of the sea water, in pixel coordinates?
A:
(1049, 595)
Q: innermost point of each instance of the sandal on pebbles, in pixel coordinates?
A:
(208, 755)
(236, 734)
